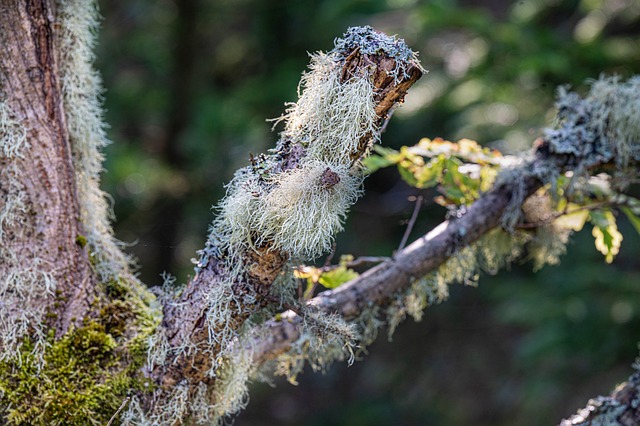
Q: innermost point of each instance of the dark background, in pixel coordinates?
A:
(189, 86)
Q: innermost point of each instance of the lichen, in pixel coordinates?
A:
(301, 216)
(325, 338)
(494, 251)
(24, 285)
(295, 210)
(374, 43)
(82, 97)
(13, 135)
(293, 200)
(603, 126)
(331, 117)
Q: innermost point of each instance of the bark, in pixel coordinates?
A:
(45, 235)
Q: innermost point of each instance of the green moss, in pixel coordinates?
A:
(81, 381)
(87, 373)
(81, 240)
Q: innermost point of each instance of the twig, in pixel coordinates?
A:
(412, 222)
(327, 262)
(363, 260)
(126, 400)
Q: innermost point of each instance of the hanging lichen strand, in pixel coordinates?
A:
(285, 206)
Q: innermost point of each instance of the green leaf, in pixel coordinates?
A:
(429, 175)
(407, 175)
(376, 162)
(337, 277)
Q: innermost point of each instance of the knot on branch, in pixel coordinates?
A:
(329, 179)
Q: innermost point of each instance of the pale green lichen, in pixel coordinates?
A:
(81, 93)
(332, 117)
(23, 306)
(293, 201)
(296, 211)
(325, 338)
(197, 402)
(491, 253)
(13, 135)
(301, 216)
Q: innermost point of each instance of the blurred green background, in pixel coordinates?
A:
(189, 86)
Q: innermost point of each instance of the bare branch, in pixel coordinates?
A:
(412, 222)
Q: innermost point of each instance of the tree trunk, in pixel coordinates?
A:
(45, 269)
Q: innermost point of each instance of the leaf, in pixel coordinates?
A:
(386, 157)
(311, 273)
(429, 175)
(635, 220)
(606, 234)
(574, 221)
(407, 175)
(336, 277)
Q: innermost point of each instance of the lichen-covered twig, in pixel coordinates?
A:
(621, 408)
(288, 204)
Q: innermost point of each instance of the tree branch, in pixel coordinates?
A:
(185, 319)
(378, 285)
(621, 408)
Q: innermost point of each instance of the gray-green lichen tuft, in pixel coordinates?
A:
(81, 91)
(602, 127)
(491, 253)
(295, 199)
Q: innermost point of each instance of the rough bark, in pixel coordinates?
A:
(46, 234)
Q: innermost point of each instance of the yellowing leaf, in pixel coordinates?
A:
(605, 231)
(574, 221)
(309, 272)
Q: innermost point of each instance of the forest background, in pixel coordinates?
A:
(190, 84)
